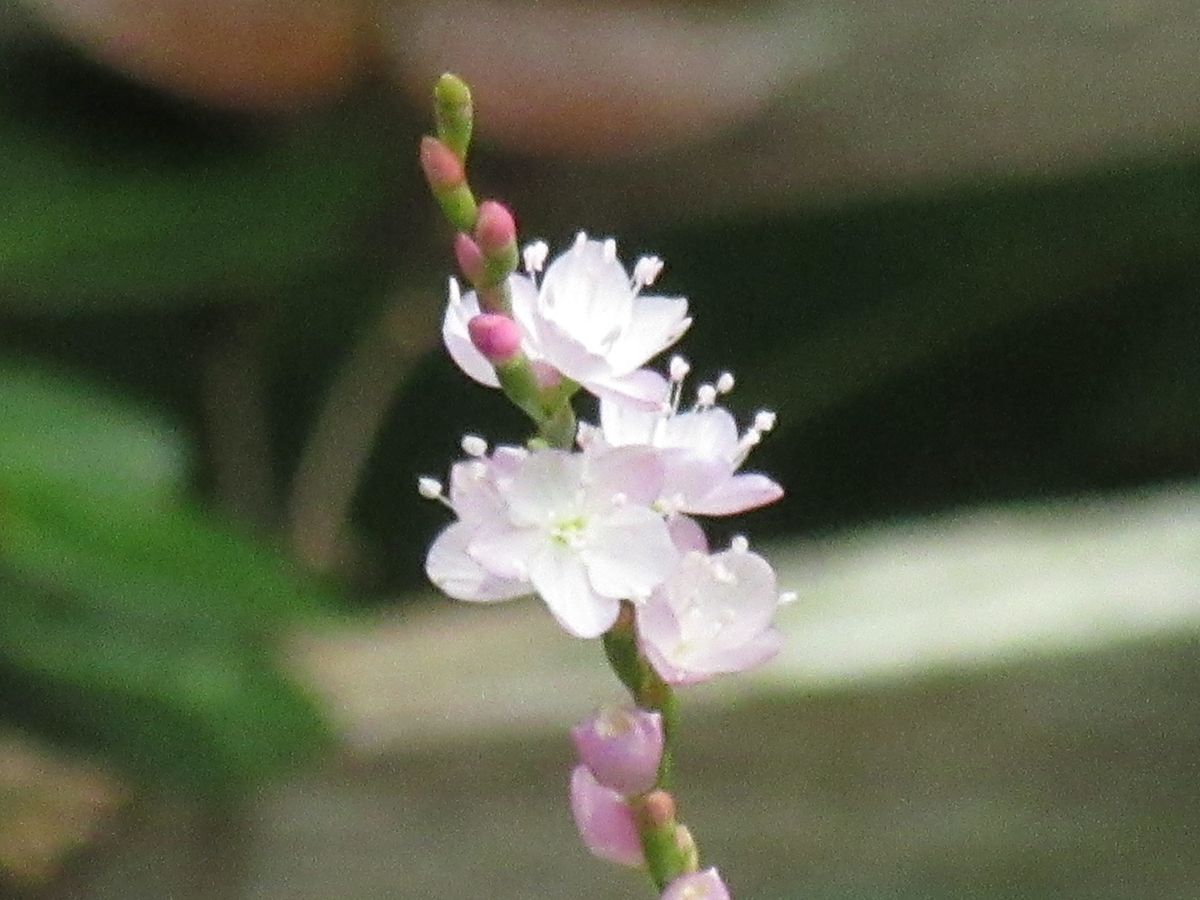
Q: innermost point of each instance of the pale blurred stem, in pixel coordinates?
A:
(339, 446)
(235, 415)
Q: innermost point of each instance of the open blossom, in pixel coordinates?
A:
(576, 528)
(713, 615)
(587, 319)
(701, 451)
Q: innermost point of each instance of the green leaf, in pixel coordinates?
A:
(60, 429)
(114, 196)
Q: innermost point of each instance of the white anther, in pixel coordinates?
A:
(739, 544)
(764, 420)
(534, 256)
(580, 239)
(429, 488)
(609, 250)
(787, 597)
(725, 383)
(679, 368)
(474, 445)
(646, 270)
(706, 395)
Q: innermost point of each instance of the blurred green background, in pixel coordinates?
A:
(221, 282)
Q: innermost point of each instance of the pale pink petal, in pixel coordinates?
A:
(622, 424)
(559, 576)
(452, 569)
(708, 432)
(605, 821)
(644, 388)
(687, 534)
(629, 553)
(587, 292)
(505, 552)
(735, 495)
(545, 487)
(706, 885)
(636, 473)
(655, 324)
(459, 311)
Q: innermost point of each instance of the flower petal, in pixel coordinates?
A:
(654, 325)
(559, 576)
(644, 388)
(451, 568)
(505, 552)
(636, 473)
(547, 486)
(628, 553)
(735, 495)
(460, 310)
(605, 821)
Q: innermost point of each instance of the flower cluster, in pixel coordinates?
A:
(600, 520)
(612, 518)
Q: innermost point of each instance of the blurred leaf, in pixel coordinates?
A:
(68, 432)
(117, 196)
(130, 626)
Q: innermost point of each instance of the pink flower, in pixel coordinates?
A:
(622, 748)
(706, 885)
(575, 528)
(605, 821)
(700, 449)
(712, 616)
(587, 319)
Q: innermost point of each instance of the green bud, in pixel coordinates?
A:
(452, 108)
(458, 206)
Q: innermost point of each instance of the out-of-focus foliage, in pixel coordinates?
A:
(130, 625)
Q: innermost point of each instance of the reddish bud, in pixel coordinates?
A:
(443, 170)
(470, 257)
(658, 809)
(495, 230)
(497, 337)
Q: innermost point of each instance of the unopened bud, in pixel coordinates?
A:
(469, 256)
(497, 337)
(686, 844)
(548, 378)
(453, 110)
(496, 235)
(658, 809)
(448, 182)
(622, 748)
(706, 885)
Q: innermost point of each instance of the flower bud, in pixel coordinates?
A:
(622, 748)
(448, 182)
(469, 256)
(496, 235)
(706, 885)
(686, 845)
(454, 113)
(497, 337)
(604, 820)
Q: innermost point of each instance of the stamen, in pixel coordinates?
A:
(725, 383)
(429, 488)
(646, 271)
(534, 256)
(764, 420)
(610, 250)
(679, 369)
(580, 240)
(706, 396)
(787, 597)
(474, 445)
(739, 544)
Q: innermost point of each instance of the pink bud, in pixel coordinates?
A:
(469, 256)
(622, 748)
(604, 820)
(497, 337)
(706, 885)
(443, 170)
(495, 229)
(548, 378)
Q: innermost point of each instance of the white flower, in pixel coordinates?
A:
(701, 450)
(587, 319)
(576, 528)
(713, 615)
